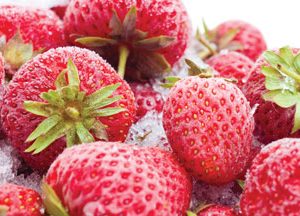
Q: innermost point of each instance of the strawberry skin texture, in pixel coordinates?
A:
(217, 210)
(272, 186)
(209, 126)
(269, 117)
(39, 75)
(20, 201)
(249, 37)
(119, 179)
(42, 28)
(232, 65)
(92, 18)
(146, 99)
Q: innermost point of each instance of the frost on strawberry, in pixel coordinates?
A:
(128, 36)
(71, 96)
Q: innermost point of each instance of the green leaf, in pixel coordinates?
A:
(287, 54)
(129, 23)
(43, 142)
(73, 75)
(69, 93)
(271, 72)
(284, 99)
(155, 43)
(71, 137)
(170, 81)
(84, 135)
(227, 38)
(52, 202)
(296, 63)
(101, 94)
(296, 126)
(190, 213)
(93, 42)
(53, 97)
(38, 108)
(44, 127)
(61, 80)
(107, 112)
(115, 24)
(275, 60)
(99, 130)
(103, 103)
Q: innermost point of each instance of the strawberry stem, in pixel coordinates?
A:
(124, 53)
(207, 45)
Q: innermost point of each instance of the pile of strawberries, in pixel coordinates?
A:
(72, 88)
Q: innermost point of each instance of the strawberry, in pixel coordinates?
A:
(232, 65)
(233, 35)
(63, 97)
(209, 125)
(116, 179)
(24, 32)
(273, 184)
(19, 201)
(217, 210)
(146, 99)
(273, 86)
(60, 9)
(144, 38)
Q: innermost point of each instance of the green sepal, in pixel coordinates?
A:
(275, 60)
(296, 126)
(286, 54)
(95, 41)
(52, 203)
(83, 134)
(103, 103)
(227, 38)
(99, 130)
(284, 99)
(61, 81)
(44, 127)
(190, 213)
(115, 25)
(53, 98)
(195, 70)
(69, 93)
(38, 108)
(170, 81)
(107, 111)
(3, 210)
(241, 183)
(71, 137)
(129, 23)
(296, 63)
(155, 43)
(73, 76)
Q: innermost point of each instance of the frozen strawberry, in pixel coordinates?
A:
(209, 125)
(25, 32)
(273, 184)
(116, 179)
(233, 35)
(63, 97)
(19, 201)
(232, 65)
(144, 38)
(146, 99)
(273, 87)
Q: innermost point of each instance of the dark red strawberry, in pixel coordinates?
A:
(63, 97)
(273, 184)
(24, 32)
(116, 179)
(19, 201)
(273, 87)
(232, 65)
(209, 125)
(233, 35)
(149, 35)
(146, 99)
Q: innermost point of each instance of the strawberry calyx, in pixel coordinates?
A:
(241, 183)
(190, 213)
(214, 44)
(70, 112)
(282, 81)
(51, 201)
(16, 52)
(131, 41)
(3, 210)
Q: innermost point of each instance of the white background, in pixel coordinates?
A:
(278, 20)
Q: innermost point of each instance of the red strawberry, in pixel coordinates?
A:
(24, 32)
(51, 103)
(60, 9)
(209, 125)
(150, 35)
(234, 35)
(216, 210)
(273, 86)
(117, 179)
(273, 184)
(146, 99)
(232, 65)
(19, 201)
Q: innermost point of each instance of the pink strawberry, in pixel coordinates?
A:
(63, 97)
(146, 99)
(273, 184)
(209, 125)
(233, 35)
(116, 179)
(273, 87)
(149, 35)
(24, 32)
(19, 201)
(232, 65)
